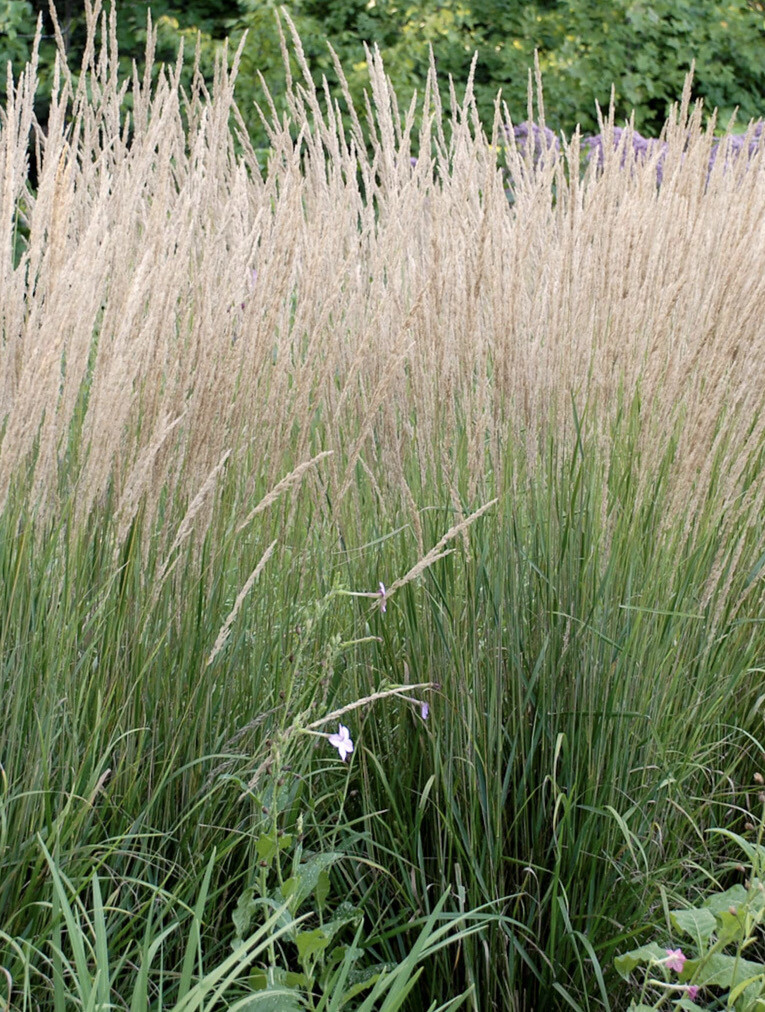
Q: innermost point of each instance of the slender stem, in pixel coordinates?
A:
(399, 691)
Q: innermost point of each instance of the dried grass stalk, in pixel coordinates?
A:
(347, 301)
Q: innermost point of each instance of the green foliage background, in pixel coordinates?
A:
(643, 47)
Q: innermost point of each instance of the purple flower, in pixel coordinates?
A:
(635, 153)
(424, 711)
(342, 741)
(693, 991)
(734, 146)
(541, 140)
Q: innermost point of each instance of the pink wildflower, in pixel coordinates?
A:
(675, 960)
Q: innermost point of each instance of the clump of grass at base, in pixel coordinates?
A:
(233, 405)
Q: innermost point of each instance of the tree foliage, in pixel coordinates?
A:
(641, 48)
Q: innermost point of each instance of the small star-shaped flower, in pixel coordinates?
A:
(342, 741)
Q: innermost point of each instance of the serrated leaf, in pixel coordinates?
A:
(628, 962)
(697, 922)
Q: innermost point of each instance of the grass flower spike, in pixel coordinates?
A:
(342, 741)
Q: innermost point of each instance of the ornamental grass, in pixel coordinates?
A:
(340, 428)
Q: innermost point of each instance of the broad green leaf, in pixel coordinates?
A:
(720, 970)
(311, 943)
(346, 913)
(731, 927)
(718, 903)
(697, 922)
(296, 980)
(750, 991)
(277, 977)
(300, 886)
(266, 847)
(258, 980)
(244, 913)
(747, 997)
(627, 963)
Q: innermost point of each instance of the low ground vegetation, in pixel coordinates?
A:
(382, 560)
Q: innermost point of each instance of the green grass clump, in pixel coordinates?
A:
(594, 706)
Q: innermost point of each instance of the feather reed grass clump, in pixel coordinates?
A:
(139, 354)
(234, 399)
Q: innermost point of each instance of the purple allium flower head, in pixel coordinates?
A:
(637, 153)
(733, 146)
(541, 140)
